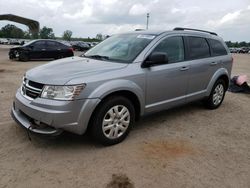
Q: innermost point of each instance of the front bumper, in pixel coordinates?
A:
(13, 54)
(29, 125)
(53, 116)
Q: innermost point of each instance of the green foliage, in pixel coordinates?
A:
(46, 33)
(81, 39)
(99, 36)
(11, 31)
(67, 35)
(237, 44)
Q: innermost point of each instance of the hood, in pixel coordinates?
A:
(61, 71)
(16, 47)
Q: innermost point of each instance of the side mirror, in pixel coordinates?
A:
(31, 46)
(156, 58)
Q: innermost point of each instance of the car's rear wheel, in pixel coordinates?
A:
(217, 95)
(112, 120)
(59, 57)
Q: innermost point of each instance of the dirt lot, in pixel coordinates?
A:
(184, 147)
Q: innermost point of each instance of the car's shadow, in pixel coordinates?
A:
(69, 140)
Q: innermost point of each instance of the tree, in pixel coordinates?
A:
(67, 35)
(243, 44)
(27, 35)
(46, 33)
(11, 31)
(99, 36)
(229, 44)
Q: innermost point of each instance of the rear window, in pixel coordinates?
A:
(54, 45)
(217, 48)
(198, 48)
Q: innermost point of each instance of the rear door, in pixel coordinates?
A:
(53, 49)
(202, 66)
(167, 83)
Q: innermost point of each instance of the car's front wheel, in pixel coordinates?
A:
(23, 57)
(112, 120)
(217, 95)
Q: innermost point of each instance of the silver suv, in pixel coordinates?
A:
(124, 77)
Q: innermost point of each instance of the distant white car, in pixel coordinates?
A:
(4, 41)
(13, 42)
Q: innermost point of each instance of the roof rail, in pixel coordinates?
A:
(183, 28)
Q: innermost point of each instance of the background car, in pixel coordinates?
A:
(81, 46)
(4, 41)
(233, 50)
(14, 42)
(41, 49)
(244, 50)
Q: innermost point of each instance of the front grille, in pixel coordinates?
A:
(30, 89)
(36, 84)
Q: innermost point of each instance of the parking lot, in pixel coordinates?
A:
(188, 146)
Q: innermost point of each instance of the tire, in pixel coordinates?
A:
(119, 114)
(59, 57)
(217, 95)
(23, 57)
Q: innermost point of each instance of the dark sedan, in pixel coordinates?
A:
(41, 49)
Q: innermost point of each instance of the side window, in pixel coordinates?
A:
(217, 48)
(39, 45)
(198, 48)
(174, 48)
(52, 44)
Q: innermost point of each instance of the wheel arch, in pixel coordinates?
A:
(125, 93)
(219, 74)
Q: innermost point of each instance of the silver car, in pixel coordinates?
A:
(121, 79)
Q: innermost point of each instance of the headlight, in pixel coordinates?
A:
(62, 92)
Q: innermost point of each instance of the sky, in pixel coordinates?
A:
(85, 18)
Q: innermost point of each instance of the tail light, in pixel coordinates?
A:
(71, 49)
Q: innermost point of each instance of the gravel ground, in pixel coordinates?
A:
(187, 146)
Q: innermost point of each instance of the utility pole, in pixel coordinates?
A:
(147, 20)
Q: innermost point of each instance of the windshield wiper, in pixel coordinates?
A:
(97, 57)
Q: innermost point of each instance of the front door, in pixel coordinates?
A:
(38, 50)
(167, 83)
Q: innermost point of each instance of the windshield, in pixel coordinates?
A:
(121, 48)
(28, 43)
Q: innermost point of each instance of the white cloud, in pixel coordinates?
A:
(53, 4)
(229, 18)
(89, 17)
(185, 10)
(175, 10)
(83, 13)
(138, 9)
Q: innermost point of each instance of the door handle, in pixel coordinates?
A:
(43, 49)
(184, 68)
(59, 49)
(213, 63)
